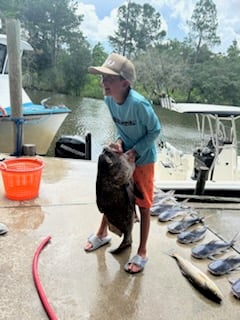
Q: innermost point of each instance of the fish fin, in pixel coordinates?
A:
(121, 248)
(194, 213)
(231, 257)
(170, 252)
(212, 241)
(184, 201)
(170, 192)
(211, 258)
(235, 238)
(137, 192)
(114, 229)
(204, 218)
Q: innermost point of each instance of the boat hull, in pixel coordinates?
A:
(180, 178)
(38, 129)
(35, 124)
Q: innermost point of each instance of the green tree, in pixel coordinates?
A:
(50, 24)
(93, 88)
(74, 67)
(163, 69)
(203, 26)
(11, 9)
(233, 51)
(62, 53)
(203, 32)
(98, 55)
(139, 27)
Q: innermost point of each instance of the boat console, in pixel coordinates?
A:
(203, 157)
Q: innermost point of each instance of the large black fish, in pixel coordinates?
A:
(115, 194)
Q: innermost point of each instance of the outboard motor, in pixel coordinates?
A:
(203, 158)
(74, 147)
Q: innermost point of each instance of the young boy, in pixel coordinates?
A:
(137, 128)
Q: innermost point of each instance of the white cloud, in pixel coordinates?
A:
(93, 28)
(228, 21)
(98, 30)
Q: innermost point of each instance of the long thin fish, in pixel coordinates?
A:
(198, 279)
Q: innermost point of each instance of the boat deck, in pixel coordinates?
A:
(81, 286)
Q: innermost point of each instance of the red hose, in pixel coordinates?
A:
(47, 307)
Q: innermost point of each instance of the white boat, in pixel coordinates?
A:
(213, 168)
(40, 123)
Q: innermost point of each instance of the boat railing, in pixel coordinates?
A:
(166, 101)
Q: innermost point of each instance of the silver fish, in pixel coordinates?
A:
(156, 210)
(159, 195)
(163, 205)
(235, 286)
(184, 224)
(214, 247)
(171, 213)
(199, 279)
(192, 236)
(115, 194)
(223, 266)
(3, 229)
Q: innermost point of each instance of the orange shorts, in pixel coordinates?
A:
(144, 179)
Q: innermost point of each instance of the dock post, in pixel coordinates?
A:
(15, 80)
(201, 180)
(88, 146)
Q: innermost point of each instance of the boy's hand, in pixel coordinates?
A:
(116, 146)
(131, 155)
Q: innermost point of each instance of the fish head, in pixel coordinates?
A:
(116, 165)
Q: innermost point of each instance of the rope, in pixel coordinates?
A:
(19, 133)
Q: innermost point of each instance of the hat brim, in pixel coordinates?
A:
(102, 70)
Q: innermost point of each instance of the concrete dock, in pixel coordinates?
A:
(84, 286)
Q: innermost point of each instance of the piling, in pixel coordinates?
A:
(15, 80)
(201, 180)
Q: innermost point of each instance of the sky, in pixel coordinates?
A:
(100, 19)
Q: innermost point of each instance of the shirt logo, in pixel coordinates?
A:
(124, 123)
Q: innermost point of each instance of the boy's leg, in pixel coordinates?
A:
(144, 179)
(101, 233)
(144, 232)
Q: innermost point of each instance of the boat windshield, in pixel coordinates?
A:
(220, 130)
(3, 53)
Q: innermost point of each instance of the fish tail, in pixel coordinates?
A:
(235, 238)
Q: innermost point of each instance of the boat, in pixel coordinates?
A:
(40, 122)
(213, 166)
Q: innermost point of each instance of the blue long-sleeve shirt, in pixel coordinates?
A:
(137, 125)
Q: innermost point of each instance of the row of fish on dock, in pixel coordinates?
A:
(191, 228)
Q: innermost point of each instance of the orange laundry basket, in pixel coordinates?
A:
(21, 177)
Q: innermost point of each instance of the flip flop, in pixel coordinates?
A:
(3, 229)
(138, 261)
(97, 242)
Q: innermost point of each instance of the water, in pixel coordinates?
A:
(92, 115)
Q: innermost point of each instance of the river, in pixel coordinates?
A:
(92, 115)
